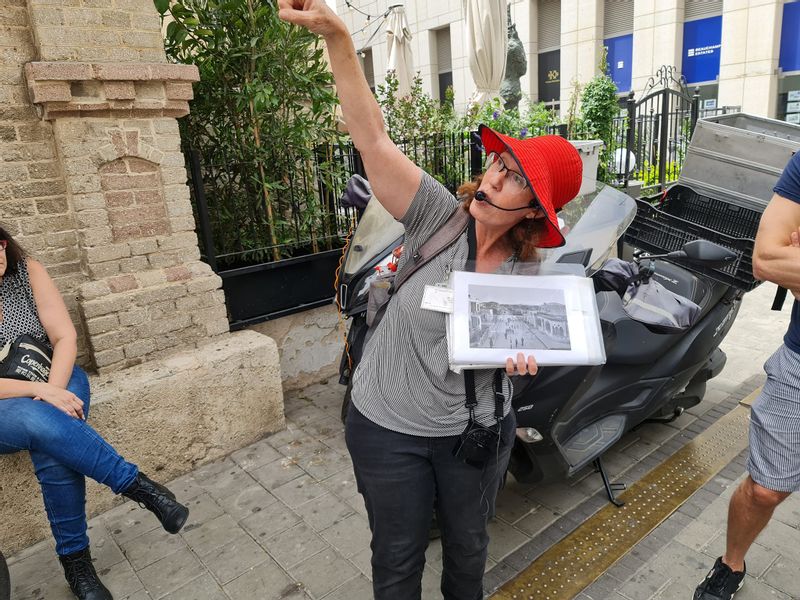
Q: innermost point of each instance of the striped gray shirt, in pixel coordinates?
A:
(403, 381)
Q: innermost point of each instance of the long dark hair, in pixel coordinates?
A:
(14, 252)
(524, 236)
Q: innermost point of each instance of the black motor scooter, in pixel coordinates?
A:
(567, 417)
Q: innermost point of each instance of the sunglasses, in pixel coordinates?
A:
(3, 244)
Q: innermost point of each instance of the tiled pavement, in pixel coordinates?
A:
(282, 519)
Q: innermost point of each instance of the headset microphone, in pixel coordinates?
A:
(481, 196)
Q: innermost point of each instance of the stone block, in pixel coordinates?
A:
(179, 273)
(167, 72)
(139, 348)
(179, 91)
(204, 284)
(58, 71)
(134, 264)
(96, 236)
(142, 247)
(102, 270)
(102, 324)
(123, 283)
(122, 72)
(136, 316)
(106, 253)
(119, 90)
(52, 91)
(43, 170)
(94, 289)
(109, 357)
(56, 205)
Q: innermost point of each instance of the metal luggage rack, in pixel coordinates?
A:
(683, 215)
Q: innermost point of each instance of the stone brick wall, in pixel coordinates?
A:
(33, 200)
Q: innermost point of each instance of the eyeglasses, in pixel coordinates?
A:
(495, 164)
(3, 244)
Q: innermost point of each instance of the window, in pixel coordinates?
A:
(444, 62)
(549, 28)
(368, 66)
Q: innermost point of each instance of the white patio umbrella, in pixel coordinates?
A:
(487, 45)
(398, 42)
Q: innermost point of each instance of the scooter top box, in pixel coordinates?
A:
(738, 158)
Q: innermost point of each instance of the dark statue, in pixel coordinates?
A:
(516, 66)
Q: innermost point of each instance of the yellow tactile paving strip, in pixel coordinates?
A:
(586, 553)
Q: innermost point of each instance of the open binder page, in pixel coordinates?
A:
(552, 317)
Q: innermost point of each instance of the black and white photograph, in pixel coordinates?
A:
(554, 318)
(517, 318)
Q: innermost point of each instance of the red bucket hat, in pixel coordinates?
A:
(552, 167)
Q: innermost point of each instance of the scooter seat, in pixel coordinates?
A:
(681, 282)
(629, 342)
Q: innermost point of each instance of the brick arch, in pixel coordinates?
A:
(126, 142)
(134, 197)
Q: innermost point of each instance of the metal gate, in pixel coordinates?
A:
(659, 127)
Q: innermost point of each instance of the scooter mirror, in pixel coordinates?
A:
(708, 253)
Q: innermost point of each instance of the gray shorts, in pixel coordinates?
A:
(774, 461)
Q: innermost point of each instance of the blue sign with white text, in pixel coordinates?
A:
(790, 38)
(702, 40)
(620, 61)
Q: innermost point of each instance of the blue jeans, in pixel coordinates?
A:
(63, 450)
(400, 477)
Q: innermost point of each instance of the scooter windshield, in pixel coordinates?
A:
(592, 224)
(376, 231)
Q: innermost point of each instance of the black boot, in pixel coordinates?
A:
(82, 578)
(159, 500)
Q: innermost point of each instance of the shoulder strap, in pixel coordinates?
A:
(443, 238)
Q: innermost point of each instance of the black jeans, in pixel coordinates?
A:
(399, 476)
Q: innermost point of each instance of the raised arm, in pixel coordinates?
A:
(393, 177)
(775, 258)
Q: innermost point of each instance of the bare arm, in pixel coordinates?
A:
(57, 323)
(775, 258)
(393, 177)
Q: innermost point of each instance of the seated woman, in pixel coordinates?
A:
(49, 421)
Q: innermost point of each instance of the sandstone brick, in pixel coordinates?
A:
(84, 184)
(119, 90)
(146, 22)
(183, 223)
(142, 247)
(162, 310)
(118, 199)
(163, 260)
(116, 18)
(106, 253)
(154, 228)
(8, 133)
(141, 39)
(123, 283)
(169, 291)
(43, 170)
(179, 273)
(56, 205)
(25, 152)
(96, 236)
(150, 197)
(132, 142)
(93, 290)
(149, 90)
(89, 219)
(134, 264)
(130, 181)
(150, 278)
(104, 269)
(126, 233)
(82, 17)
(34, 132)
(166, 126)
(178, 241)
(41, 224)
(217, 327)
(34, 243)
(64, 238)
(161, 327)
(103, 306)
(12, 172)
(65, 269)
(198, 286)
(141, 166)
(138, 215)
(135, 316)
(108, 357)
(13, 16)
(139, 348)
(154, 155)
(51, 91)
(58, 71)
(122, 72)
(112, 339)
(102, 324)
(179, 91)
(173, 72)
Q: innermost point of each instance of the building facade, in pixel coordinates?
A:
(738, 52)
